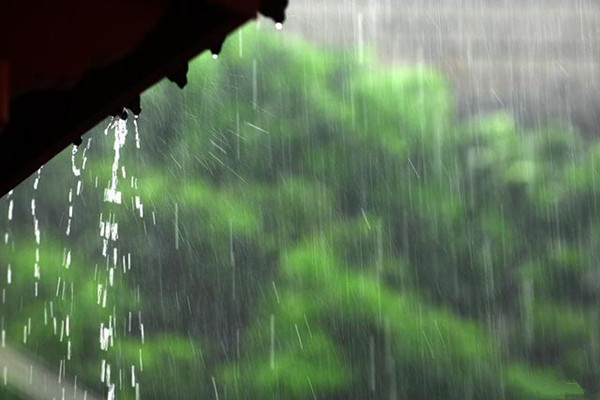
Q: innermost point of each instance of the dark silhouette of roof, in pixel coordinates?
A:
(66, 65)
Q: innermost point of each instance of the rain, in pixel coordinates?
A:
(390, 199)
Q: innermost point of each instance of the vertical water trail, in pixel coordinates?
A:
(7, 245)
(37, 234)
(111, 193)
(117, 258)
(110, 234)
(77, 171)
(74, 192)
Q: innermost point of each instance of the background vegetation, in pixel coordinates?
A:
(312, 228)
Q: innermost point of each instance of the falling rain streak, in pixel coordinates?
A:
(115, 256)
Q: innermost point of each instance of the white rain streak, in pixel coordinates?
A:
(10, 208)
(77, 171)
(141, 360)
(137, 132)
(299, 337)
(68, 231)
(74, 191)
(106, 335)
(119, 126)
(139, 206)
(67, 258)
(37, 232)
(7, 232)
(114, 255)
(214, 383)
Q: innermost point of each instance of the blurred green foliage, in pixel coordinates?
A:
(316, 228)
